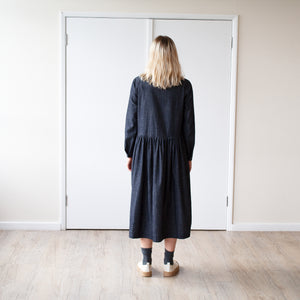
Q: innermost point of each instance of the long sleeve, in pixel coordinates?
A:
(189, 121)
(131, 121)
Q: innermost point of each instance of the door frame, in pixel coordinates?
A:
(150, 16)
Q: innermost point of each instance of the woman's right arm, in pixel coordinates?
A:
(131, 121)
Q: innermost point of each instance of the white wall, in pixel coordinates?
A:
(267, 160)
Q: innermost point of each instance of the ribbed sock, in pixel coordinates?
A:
(168, 257)
(147, 255)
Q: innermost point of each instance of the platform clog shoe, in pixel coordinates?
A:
(171, 270)
(144, 270)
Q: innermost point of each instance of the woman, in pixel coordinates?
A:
(159, 143)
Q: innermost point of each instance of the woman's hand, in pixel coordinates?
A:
(129, 163)
(190, 165)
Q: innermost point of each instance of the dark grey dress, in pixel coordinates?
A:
(160, 138)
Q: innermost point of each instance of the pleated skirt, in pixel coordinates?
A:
(160, 189)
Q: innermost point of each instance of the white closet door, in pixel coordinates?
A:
(103, 56)
(204, 49)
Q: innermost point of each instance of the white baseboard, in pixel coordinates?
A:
(30, 226)
(265, 227)
(234, 227)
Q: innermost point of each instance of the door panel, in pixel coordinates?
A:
(103, 57)
(204, 49)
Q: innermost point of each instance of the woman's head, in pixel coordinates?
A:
(163, 69)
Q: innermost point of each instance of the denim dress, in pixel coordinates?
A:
(160, 139)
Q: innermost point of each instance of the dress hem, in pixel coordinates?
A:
(157, 240)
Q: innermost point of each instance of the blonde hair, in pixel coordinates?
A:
(163, 69)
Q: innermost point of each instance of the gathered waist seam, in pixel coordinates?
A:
(159, 137)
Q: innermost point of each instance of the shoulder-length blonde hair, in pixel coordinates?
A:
(163, 69)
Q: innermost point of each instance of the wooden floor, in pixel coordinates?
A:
(101, 264)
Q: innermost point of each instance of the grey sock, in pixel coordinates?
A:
(168, 257)
(147, 255)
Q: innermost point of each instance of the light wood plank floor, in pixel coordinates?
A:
(101, 264)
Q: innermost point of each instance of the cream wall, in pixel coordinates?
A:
(267, 163)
